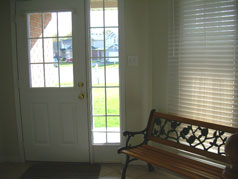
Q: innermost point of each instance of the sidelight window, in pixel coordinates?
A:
(104, 60)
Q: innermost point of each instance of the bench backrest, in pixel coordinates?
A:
(194, 136)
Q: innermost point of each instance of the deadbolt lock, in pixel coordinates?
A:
(80, 84)
(81, 96)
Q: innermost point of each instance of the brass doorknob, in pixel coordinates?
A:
(80, 84)
(81, 96)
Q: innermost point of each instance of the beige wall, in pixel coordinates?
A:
(146, 34)
(159, 52)
(145, 37)
(138, 79)
(7, 103)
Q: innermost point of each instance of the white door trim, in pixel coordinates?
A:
(123, 63)
(88, 75)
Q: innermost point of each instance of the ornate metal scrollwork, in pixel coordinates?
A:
(195, 136)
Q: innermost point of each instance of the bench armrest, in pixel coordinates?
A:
(132, 134)
(129, 135)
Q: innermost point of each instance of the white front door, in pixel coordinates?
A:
(52, 80)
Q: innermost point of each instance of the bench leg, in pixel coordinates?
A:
(150, 167)
(123, 175)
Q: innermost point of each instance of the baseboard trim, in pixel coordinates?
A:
(1, 159)
(10, 159)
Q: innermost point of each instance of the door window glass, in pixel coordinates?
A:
(50, 49)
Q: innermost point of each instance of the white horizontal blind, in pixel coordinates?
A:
(203, 60)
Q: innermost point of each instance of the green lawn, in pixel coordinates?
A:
(113, 107)
(111, 122)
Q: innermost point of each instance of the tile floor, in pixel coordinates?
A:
(108, 171)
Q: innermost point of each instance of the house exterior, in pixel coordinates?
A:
(111, 45)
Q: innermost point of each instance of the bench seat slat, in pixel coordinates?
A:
(174, 162)
(183, 160)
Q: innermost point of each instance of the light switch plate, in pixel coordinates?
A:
(132, 61)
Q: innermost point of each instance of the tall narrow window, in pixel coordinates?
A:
(104, 58)
(50, 49)
(203, 64)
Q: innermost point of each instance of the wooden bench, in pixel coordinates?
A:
(203, 139)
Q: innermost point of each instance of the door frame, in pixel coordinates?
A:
(122, 62)
(21, 157)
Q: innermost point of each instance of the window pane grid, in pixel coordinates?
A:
(44, 63)
(103, 57)
(106, 115)
(49, 37)
(106, 86)
(105, 131)
(105, 64)
(57, 31)
(47, 47)
(104, 44)
(43, 48)
(100, 27)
